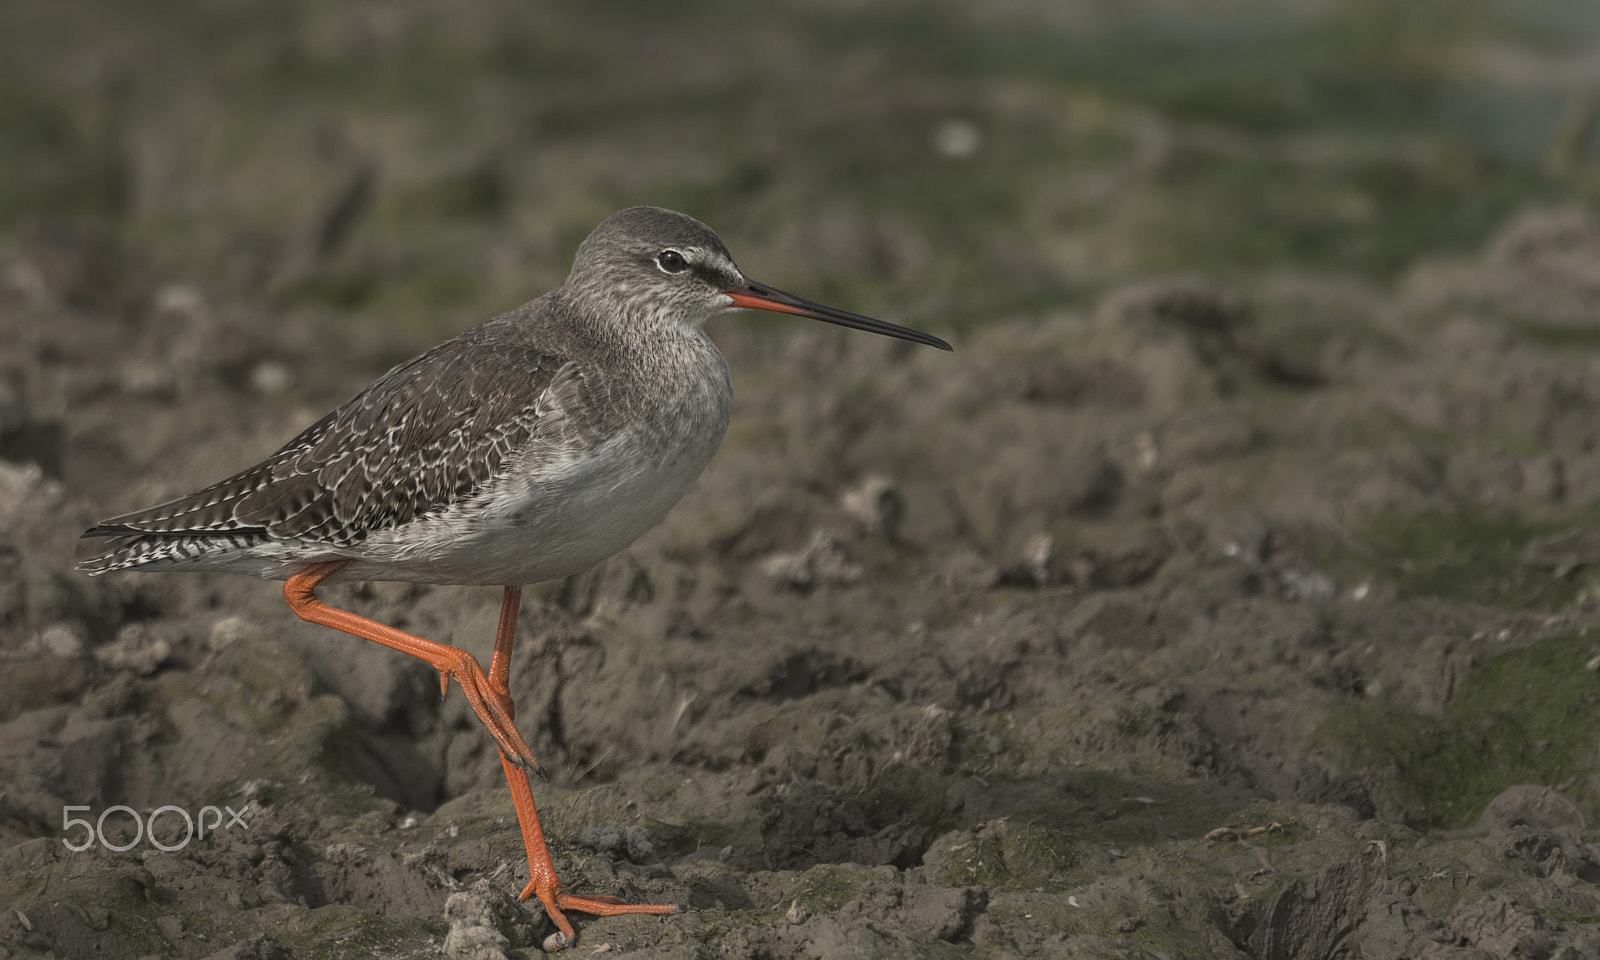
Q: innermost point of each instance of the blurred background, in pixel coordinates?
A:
(436, 163)
(1229, 592)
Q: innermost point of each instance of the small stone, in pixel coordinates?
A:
(1148, 452)
(18, 481)
(145, 378)
(957, 139)
(62, 639)
(229, 631)
(1308, 586)
(270, 378)
(134, 650)
(826, 561)
(472, 933)
(876, 505)
(796, 914)
(966, 570)
(1036, 555)
(474, 942)
(1033, 568)
(181, 299)
(1127, 924)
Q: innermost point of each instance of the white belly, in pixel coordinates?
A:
(530, 529)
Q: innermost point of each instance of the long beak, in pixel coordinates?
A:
(759, 296)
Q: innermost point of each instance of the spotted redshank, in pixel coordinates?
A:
(525, 450)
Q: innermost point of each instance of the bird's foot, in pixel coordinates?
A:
(557, 904)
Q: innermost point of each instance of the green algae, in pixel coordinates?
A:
(337, 931)
(1011, 856)
(108, 895)
(1527, 716)
(827, 887)
(1470, 556)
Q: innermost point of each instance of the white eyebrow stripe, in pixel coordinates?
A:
(716, 259)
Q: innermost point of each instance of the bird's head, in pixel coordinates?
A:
(646, 265)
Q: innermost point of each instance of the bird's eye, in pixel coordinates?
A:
(671, 261)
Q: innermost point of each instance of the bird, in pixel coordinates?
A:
(524, 450)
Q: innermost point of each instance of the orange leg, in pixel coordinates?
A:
(490, 698)
(300, 591)
(542, 880)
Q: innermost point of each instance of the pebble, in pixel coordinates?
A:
(230, 630)
(877, 505)
(825, 561)
(62, 639)
(472, 933)
(134, 650)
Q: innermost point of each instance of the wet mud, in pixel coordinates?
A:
(1123, 632)
(1230, 592)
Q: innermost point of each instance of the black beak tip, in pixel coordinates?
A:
(757, 296)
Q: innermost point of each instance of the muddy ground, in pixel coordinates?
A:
(1230, 611)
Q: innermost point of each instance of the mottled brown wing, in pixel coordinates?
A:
(425, 435)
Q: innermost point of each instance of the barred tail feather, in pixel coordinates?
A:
(165, 551)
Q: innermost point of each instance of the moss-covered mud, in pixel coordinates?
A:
(1232, 591)
(1527, 716)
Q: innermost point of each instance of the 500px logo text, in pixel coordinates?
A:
(146, 826)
